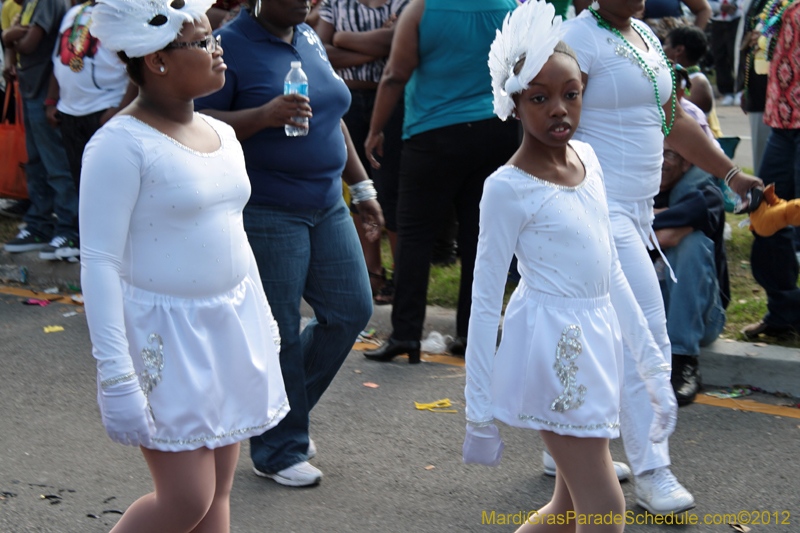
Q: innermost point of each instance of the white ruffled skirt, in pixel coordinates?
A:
(559, 365)
(209, 366)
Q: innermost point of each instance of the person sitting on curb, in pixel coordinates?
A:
(689, 222)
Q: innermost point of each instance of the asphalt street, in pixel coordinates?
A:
(387, 466)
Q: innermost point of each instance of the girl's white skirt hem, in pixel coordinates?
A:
(208, 366)
(559, 365)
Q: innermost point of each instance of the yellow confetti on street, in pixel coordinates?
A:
(436, 407)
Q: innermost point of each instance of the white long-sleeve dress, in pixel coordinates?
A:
(559, 364)
(171, 285)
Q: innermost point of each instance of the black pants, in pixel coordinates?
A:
(773, 259)
(386, 178)
(76, 132)
(439, 168)
(723, 46)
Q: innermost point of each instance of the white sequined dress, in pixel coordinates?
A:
(559, 364)
(170, 281)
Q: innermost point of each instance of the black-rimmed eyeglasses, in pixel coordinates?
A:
(209, 44)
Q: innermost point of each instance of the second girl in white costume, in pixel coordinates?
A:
(559, 366)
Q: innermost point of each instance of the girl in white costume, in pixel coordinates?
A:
(628, 109)
(559, 366)
(185, 342)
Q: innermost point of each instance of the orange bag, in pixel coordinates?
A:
(13, 154)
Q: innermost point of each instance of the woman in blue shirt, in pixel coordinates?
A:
(297, 222)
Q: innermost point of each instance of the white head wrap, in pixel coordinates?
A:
(141, 27)
(531, 31)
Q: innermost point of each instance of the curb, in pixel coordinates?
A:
(43, 273)
(724, 363)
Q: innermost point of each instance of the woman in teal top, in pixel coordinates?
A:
(453, 141)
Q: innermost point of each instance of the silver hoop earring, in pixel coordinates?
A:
(257, 9)
(161, 69)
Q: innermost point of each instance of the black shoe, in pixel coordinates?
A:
(392, 348)
(685, 378)
(458, 346)
(25, 241)
(14, 209)
(753, 331)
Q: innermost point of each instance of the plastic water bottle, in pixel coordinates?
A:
(296, 82)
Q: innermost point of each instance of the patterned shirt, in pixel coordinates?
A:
(783, 88)
(352, 15)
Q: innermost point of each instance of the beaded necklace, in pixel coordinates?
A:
(769, 25)
(603, 23)
(753, 53)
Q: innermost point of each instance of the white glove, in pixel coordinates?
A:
(665, 407)
(482, 445)
(125, 413)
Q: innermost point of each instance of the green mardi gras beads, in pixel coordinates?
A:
(603, 23)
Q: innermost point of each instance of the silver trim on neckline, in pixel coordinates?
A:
(180, 144)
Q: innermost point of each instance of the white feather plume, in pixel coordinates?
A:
(124, 25)
(531, 31)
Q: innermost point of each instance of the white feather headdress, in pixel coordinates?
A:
(141, 27)
(531, 31)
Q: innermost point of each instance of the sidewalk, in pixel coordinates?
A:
(723, 363)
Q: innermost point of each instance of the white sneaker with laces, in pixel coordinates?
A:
(622, 470)
(312, 449)
(659, 492)
(48, 253)
(728, 100)
(297, 475)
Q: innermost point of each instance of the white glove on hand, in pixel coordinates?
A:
(125, 414)
(665, 407)
(483, 445)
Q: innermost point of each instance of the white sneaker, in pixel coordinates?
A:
(728, 100)
(297, 475)
(48, 253)
(312, 449)
(623, 471)
(659, 492)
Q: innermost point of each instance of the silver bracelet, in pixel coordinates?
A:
(729, 176)
(364, 193)
(354, 188)
(106, 383)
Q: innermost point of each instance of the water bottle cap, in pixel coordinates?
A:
(296, 64)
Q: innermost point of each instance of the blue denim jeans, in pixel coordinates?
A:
(50, 185)
(695, 316)
(316, 255)
(773, 259)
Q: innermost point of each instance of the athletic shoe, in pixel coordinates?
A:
(69, 251)
(728, 100)
(297, 475)
(622, 470)
(25, 241)
(312, 449)
(660, 493)
(48, 253)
